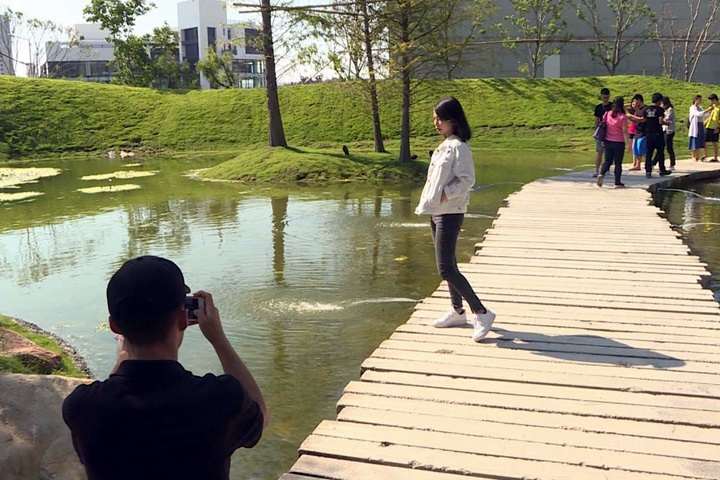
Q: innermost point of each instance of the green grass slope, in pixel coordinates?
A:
(41, 116)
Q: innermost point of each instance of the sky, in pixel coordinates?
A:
(69, 12)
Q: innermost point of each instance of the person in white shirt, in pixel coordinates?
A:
(696, 128)
(445, 198)
(669, 129)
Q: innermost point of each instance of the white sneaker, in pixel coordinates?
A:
(482, 323)
(451, 319)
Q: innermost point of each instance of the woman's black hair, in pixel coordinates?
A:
(696, 97)
(667, 102)
(618, 106)
(450, 110)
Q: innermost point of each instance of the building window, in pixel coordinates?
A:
(212, 36)
(190, 46)
(252, 41)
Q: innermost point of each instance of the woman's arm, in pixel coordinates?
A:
(462, 177)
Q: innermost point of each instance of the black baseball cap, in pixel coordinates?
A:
(712, 97)
(145, 288)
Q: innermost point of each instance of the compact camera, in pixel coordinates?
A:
(194, 303)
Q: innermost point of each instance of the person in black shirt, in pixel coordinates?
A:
(152, 419)
(636, 114)
(654, 120)
(600, 110)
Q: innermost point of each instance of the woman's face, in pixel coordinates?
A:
(633, 104)
(697, 101)
(444, 127)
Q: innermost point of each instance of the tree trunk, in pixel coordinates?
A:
(277, 133)
(405, 68)
(374, 104)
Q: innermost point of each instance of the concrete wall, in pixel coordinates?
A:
(575, 60)
(6, 53)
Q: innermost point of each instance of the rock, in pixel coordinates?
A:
(31, 355)
(35, 443)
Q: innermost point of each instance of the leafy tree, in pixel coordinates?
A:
(410, 26)
(167, 70)
(633, 22)
(351, 34)
(44, 39)
(117, 17)
(541, 25)
(218, 68)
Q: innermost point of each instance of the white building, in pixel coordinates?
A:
(6, 53)
(203, 24)
(86, 58)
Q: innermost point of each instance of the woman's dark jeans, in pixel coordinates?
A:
(614, 153)
(670, 148)
(445, 231)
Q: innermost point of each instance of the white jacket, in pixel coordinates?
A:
(451, 171)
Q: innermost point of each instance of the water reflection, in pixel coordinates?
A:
(309, 280)
(696, 211)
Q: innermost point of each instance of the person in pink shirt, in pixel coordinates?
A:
(615, 140)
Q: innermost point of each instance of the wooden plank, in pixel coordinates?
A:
(293, 476)
(530, 450)
(475, 464)
(485, 258)
(501, 278)
(337, 469)
(451, 370)
(620, 330)
(639, 302)
(676, 336)
(679, 278)
(468, 356)
(654, 317)
(456, 336)
(546, 389)
(560, 421)
(489, 429)
(708, 308)
(551, 405)
(500, 285)
(550, 335)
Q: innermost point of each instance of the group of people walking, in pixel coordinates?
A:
(648, 131)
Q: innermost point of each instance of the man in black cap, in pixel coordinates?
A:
(152, 419)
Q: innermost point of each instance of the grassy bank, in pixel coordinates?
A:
(39, 116)
(68, 365)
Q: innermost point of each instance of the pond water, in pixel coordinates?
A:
(309, 279)
(695, 212)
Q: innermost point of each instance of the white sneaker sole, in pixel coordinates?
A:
(478, 335)
(447, 324)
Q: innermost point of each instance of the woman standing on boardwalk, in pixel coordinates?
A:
(445, 198)
(669, 129)
(696, 128)
(615, 140)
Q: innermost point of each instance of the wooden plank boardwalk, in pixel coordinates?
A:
(603, 362)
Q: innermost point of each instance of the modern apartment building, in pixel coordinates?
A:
(6, 52)
(88, 58)
(495, 60)
(204, 24)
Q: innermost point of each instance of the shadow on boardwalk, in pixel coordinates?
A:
(584, 348)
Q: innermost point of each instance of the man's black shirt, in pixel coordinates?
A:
(601, 110)
(639, 126)
(155, 420)
(653, 114)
